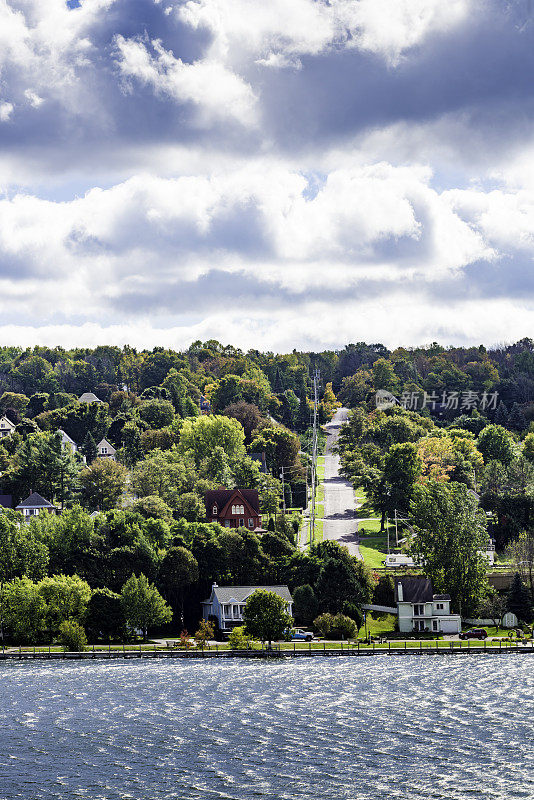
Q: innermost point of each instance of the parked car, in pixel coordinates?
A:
(474, 633)
(301, 635)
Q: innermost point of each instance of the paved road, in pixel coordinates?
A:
(340, 502)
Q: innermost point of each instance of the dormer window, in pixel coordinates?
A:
(214, 511)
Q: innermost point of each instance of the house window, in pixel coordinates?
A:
(418, 610)
(434, 625)
(214, 511)
(104, 450)
(440, 606)
(226, 611)
(241, 522)
(241, 610)
(236, 612)
(250, 523)
(233, 510)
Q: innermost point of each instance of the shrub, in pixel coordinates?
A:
(335, 627)
(238, 638)
(72, 636)
(205, 633)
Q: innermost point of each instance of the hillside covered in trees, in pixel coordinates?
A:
(183, 423)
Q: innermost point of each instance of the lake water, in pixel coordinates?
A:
(319, 729)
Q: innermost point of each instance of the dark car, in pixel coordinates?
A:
(474, 633)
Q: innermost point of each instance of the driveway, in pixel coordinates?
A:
(340, 522)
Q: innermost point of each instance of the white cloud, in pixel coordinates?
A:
(6, 109)
(33, 98)
(217, 91)
(277, 32)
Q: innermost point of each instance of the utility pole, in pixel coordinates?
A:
(396, 531)
(316, 377)
(283, 492)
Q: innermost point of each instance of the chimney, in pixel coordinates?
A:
(399, 592)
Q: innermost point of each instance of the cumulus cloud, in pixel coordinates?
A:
(274, 173)
(217, 91)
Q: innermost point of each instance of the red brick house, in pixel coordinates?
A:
(233, 508)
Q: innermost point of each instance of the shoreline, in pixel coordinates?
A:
(126, 655)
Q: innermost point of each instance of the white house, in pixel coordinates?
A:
(419, 609)
(227, 603)
(89, 397)
(6, 427)
(105, 450)
(35, 505)
(67, 442)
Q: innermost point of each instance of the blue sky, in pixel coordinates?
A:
(270, 173)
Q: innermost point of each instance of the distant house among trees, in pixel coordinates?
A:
(226, 604)
(35, 505)
(6, 427)
(67, 442)
(89, 397)
(105, 450)
(234, 508)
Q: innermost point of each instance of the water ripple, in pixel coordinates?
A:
(335, 729)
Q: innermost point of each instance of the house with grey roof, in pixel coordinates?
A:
(226, 604)
(34, 505)
(420, 610)
(89, 397)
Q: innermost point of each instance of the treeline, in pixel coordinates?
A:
(121, 571)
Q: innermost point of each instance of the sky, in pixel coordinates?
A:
(274, 174)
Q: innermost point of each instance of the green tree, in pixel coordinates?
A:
(21, 552)
(105, 616)
(157, 413)
(518, 600)
(89, 448)
(143, 605)
(132, 450)
(496, 444)
(178, 570)
(102, 484)
(281, 448)
(72, 636)
(205, 633)
(202, 435)
(22, 611)
(521, 554)
(451, 539)
(66, 598)
(528, 447)
(266, 616)
(305, 605)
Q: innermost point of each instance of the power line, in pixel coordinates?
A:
(316, 378)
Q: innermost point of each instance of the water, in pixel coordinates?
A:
(410, 727)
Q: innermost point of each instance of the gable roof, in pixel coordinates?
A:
(35, 501)
(239, 594)
(89, 397)
(65, 436)
(414, 590)
(105, 443)
(6, 419)
(223, 497)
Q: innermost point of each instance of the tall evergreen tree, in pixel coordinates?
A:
(519, 600)
(89, 448)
